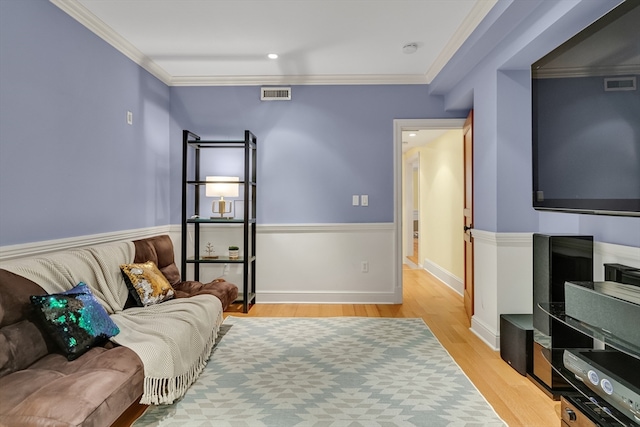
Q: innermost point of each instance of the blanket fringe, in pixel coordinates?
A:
(165, 391)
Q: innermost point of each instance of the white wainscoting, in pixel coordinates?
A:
(606, 253)
(318, 263)
(503, 282)
(322, 263)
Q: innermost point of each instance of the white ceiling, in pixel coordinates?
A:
(420, 137)
(217, 42)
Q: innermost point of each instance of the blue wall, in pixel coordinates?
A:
(71, 166)
(314, 152)
(491, 72)
(69, 163)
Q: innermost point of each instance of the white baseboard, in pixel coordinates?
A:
(490, 336)
(311, 297)
(49, 246)
(446, 277)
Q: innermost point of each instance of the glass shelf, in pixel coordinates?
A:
(219, 220)
(556, 310)
(220, 260)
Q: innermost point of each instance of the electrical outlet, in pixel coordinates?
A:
(225, 271)
(355, 200)
(364, 267)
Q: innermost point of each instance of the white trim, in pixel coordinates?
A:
(445, 276)
(408, 209)
(77, 11)
(48, 246)
(496, 239)
(628, 253)
(324, 297)
(337, 79)
(84, 16)
(324, 228)
(485, 333)
(398, 126)
(468, 25)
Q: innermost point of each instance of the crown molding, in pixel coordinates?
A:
(81, 14)
(343, 79)
(471, 21)
(85, 17)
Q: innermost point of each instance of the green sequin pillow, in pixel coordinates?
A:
(75, 320)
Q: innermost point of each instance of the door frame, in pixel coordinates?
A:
(409, 165)
(400, 125)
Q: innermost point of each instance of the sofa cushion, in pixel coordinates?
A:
(74, 319)
(225, 291)
(22, 340)
(92, 390)
(146, 283)
(158, 249)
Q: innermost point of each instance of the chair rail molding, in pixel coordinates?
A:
(48, 246)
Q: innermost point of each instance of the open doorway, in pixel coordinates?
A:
(416, 172)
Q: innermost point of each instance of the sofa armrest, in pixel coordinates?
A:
(225, 291)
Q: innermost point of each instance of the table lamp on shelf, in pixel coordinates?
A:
(221, 186)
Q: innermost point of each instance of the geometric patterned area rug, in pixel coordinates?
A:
(339, 371)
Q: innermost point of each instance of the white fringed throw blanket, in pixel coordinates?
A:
(173, 339)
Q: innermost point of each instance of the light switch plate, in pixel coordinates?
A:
(356, 200)
(364, 199)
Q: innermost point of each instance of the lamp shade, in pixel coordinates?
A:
(220, 187)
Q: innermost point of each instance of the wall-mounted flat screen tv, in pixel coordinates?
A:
(586, 119)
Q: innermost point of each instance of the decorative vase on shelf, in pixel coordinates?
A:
(234, 252)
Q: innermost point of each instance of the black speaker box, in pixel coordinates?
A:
(516, 341)
(556, 260)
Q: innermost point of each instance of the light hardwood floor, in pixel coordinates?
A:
(516, 399)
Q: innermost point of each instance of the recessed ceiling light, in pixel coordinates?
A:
(273, 56)
(412, 134)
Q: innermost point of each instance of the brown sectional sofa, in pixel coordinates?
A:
(40, 387)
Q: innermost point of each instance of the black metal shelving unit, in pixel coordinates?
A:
(191, 185)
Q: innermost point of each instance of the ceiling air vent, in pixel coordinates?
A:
(619, 83)
(275, 94)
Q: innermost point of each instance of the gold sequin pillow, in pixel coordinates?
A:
(146, 283)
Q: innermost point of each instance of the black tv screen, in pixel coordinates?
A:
(586, 119)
